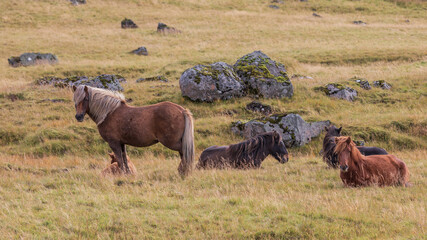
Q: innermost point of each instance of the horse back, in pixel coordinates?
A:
(367, 151)
(213, 157)
(392, 169)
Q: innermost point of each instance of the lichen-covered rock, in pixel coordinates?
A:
(140, 51)
(363, 83)
(293, 129)
(105, 81)
(128, 23)
(163, 28)
(156, 78)
(211, 82)
(28, 59)
(339, 91)
(256, 106)
(382, 84)
(263, 76)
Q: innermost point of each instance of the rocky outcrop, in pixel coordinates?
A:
(263, 77)
(363, 83)
(127, 23)
(28, 59)
(339, 91)
(256, 106)
(163, 28)
(208, 83)
(382, 84)
(105, 81)
(140, 51)
(293, 129)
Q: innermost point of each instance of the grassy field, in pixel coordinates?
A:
(50, 181)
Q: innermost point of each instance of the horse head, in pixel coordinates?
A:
(333, 131)
(343, 150)
(81, 101)
(278, 149)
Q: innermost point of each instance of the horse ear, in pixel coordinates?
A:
(74, 88)
(348, 140)
(339, 129)
(86, 89)
(326, 128)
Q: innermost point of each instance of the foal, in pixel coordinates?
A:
(358, 170)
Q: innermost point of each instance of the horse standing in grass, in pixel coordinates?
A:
(247, 154)
(329, 155)
(120, 124)
(358, 170)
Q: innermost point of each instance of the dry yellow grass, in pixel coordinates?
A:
(50, 182)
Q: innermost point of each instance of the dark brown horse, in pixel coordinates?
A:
(329, 155)
(358, 170)
(120, 124)
(247, 154)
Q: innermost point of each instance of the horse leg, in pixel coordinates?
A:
(125, 158)
(117, 149)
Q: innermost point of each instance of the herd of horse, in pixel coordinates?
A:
(172, 125)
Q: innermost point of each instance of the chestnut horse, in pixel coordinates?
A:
(247, 154)
(113, 167)
(358, 170)
(330, 157)
(120, 124)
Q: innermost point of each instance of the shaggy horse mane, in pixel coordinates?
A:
(101, 101)
(250, 149)
(329, 149)
(341, 145)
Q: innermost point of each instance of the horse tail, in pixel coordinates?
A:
(186, 165)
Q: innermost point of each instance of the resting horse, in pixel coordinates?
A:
(358, 170)
(120, 124)
(113, 167)
(247, 154)
(329, 147)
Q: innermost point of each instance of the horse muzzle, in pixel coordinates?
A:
(344, 168)
(284, 159)
(80, 117)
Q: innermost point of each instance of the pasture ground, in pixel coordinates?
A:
(50, 183)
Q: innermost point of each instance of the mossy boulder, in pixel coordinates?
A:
(128, 23)
(263, 76)
(294, 130)
(339, 91)
(140, 51)
(105, 81)
(163, 28)
(28, 59)
(208, 83)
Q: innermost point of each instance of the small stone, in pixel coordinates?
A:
(78, 2)
(363, 83)
(140, 51)
(156, 78)
(316, 15)
(128, 23)
(163, 28)
(300, 77)
(359, 22)
(274, 6)
(278, 1)
(256, 106)
(382, 84)
(339, 91)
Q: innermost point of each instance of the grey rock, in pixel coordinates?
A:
(163, 28)
(156, 78)
(300, 77)
(263, 77)
(316, 15)
(28, 59)
(382, 84)
(105, 81)
(78, 2)
(278, 1)
(293, 129)
(256, 106)
(128, 23)
(274, 6)
(359, 22)
(211, 82)
(363, 83)
(339, 91)
(140, 51)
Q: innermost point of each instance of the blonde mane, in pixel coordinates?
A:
(101, 101)
(342, 146)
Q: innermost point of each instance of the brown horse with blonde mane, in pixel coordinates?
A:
(120, 124)
(358, 170)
